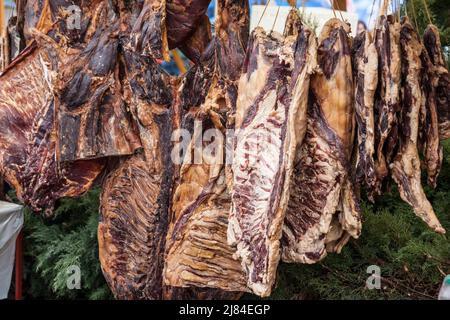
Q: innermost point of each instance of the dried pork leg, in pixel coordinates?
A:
(406, 166)
(432, 42)
(321, 173)
(270, 123)
(28, 135)
(197, 250)
(365, 74)
(387, 105)
(93, 120)
(429, 142)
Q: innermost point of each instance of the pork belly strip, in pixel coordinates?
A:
(270, 122)
(387, 97)
(406, 166)
(322, 200)
(28, 135)
(365, 75)
(429, 141)
(432, 42)
(197, 251)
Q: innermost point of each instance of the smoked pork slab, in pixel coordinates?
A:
(270, 122)
(323, 210)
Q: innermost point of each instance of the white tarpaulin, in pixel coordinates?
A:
(11, 221)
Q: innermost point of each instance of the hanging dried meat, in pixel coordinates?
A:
(28, 135)
(270, 123)
(387, 103)
(198, 42)
(197, 250)
(149, 33)
(131, 231)
(183, 17)
(406, 166)
(169, 24)
(365, 75)
(428, 139)
(323, 211)
(432, 43)
(93, 121)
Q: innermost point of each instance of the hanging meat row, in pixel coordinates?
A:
(315, 123)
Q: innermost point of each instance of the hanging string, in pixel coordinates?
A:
(332, 7)
(414, 15)
(276, 17)
(428, 12)
(339, 9)
(262, 15)
(371, 12)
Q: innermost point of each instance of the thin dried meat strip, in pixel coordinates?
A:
(365, 74)
(406, 166)
(387, 103)
(432, 42)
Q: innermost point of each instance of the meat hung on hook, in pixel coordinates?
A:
(93, 119)
(365, 75)
(28, 160)
(323, 210)
(432, 42)
(406, 170)
(270, 123)
(169, 24)
(428, 137)
(136, 198)
(197, 253)
(387, 102)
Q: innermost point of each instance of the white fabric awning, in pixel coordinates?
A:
(11, 221)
